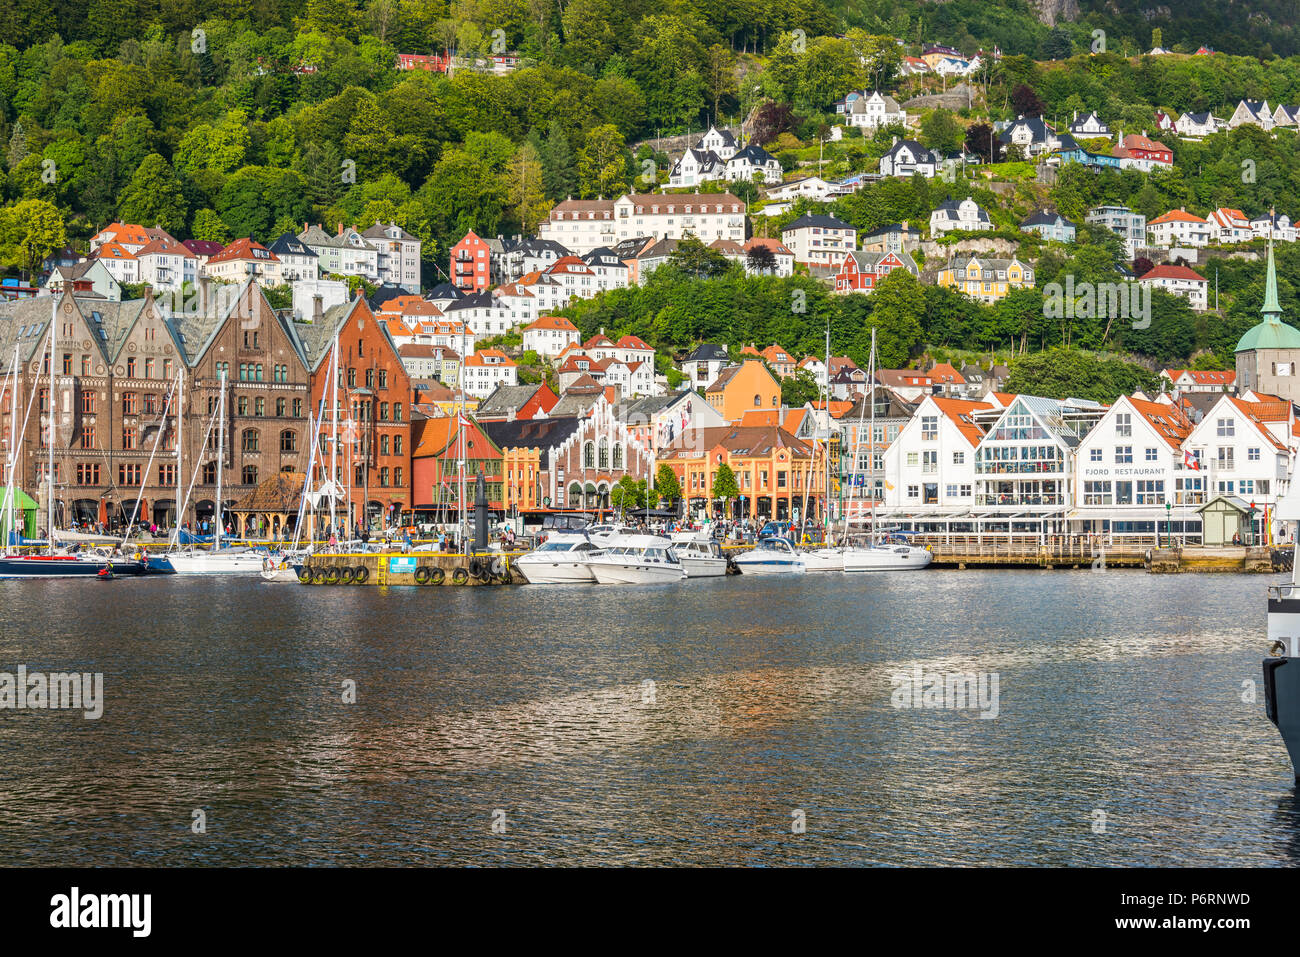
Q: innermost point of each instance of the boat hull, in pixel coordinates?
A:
(771, 566)
(824, 560)
(886, 559)
(71, 567)
(205, 563)
(634, 573)
(1282, 703)
(703, 567)
(553, 573)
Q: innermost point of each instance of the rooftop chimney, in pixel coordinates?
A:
(317, 307)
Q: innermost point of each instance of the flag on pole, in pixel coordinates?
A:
(1192, 460)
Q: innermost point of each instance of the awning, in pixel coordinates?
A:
(22, 501)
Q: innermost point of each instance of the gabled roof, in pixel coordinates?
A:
(960, 412)
(1171, 271)
(707, 352)
(243, 249)
(808, 220)
(1176, 216)
(551, 322)
(290, 245)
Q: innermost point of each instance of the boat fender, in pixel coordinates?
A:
(304, 575)
(476, 568)
(332, 575)
(459, 577)
(498, 565)
(436, 575)
(346, 574)
(1278, 650)
(362, 575)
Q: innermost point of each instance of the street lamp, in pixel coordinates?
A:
(1169, 523)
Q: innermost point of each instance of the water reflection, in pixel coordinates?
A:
(1119, 692)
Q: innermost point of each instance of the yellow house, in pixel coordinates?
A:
(987, 280)
(743, 387)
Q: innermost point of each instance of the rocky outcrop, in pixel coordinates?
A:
(1052, 12)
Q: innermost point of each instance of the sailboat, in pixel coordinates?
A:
(51, 564)
(831, 557)
(218, 561)
(878, 556)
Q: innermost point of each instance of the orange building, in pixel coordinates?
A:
(776, 473)
(741, 388)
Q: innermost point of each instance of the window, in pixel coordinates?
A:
(88, 402)
(604, 453)
(397, 412)
(243, 405)
(1151, 454)
(929, 428)
(589, 455)
(148, 368)
(618, 454)
(1225, 458)
(1094, 455)
(383, 476)
(297, 408)
(150, 403)
(167, 474)
(383, 412)
(249, 440)
(280, 406)
(913, 458)
(288, 441)
(67, 363)
(758, 401)
(1123, 424)
(128, 438)
(209, 473)
(930, 461)
(87, 436)
(1123, 493)
(352, 378)
(1123, 454)
(1252, 455)
(87, 473)
(129, 473)
(959, 458)
(383, 445)
(1151, 492)
(1226, 428)
(914, 491)
(249, 475)
(259, 406)
(397, 445)
(1097, 493)
(397, 477)
(130, 367)
(85, 366)
(383, 378)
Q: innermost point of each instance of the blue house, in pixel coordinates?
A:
(1050, 225)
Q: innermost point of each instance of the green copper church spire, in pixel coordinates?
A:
(1271, 309)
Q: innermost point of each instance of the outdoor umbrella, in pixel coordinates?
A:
(103, 513)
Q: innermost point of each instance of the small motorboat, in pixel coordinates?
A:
(563, 559)
(886, 557)
(636, 560)
(700, 557)
(772, 556)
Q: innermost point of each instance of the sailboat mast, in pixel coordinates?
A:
(334, 439)
(49, 476)
(871, 434)
(13, 444)
(221, 455)
(180, 425)
(826, 397)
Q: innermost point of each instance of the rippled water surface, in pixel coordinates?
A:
(1120, 692)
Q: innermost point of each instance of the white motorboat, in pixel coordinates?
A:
(636, 560)
(225, 561)
(700, 557)
(824, 559)
(603, 535)
(885, 557)
(560, 560)
(772, 556)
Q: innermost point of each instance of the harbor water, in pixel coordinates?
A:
(727, 721)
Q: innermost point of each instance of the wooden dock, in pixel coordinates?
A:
(411, 568)
(1074, 554)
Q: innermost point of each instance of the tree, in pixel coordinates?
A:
(209, 226)
(771, 121)
(526, 196)
(896, 306)
(1026, 101)
(602, 164)
(154, 196)
(29, 231)
(1066, 373)
(981, 140)
(799, 389)
(719, 75)
(559, 174)
(667, 488)
(760, 260)
(628, 493)
(941, 131)
(696, 259)
(725, 486)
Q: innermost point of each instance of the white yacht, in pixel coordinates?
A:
(225, 561)
(700, 557)
(602, 535)
(636, 560)
(824, 559)
(885, 557)
(560, 560)
(772, 556)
